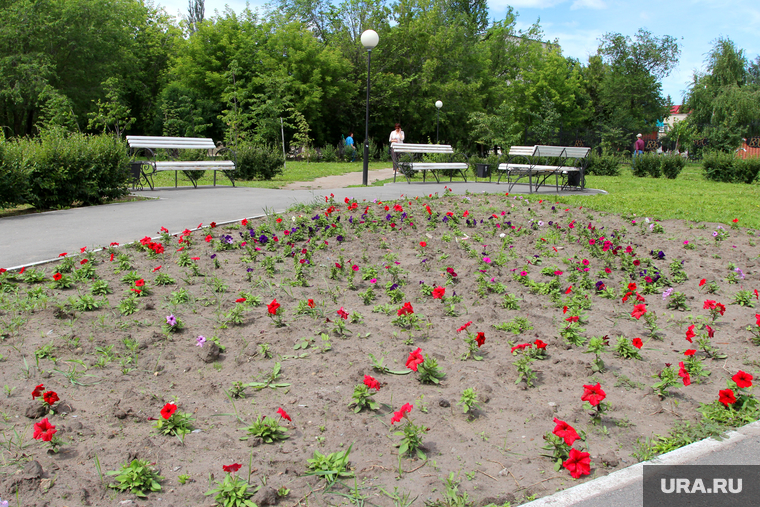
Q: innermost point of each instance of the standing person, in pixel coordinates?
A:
(638, 146)
(397, 136)
(350, 143)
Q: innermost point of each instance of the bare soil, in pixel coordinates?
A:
(107, 413)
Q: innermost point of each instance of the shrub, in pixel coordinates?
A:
(75, 168)
(719, 166)
(672, 165)
(258, 161)
(603, 165)
(14, 174)
(329, 153)
(746, 171)
(646, 164)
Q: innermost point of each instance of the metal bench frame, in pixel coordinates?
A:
(150, 144)
(541, 162)
(410, 159)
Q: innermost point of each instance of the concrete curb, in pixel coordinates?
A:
(635, 473)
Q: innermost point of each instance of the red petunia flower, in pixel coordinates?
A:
(742, 379)
(480, 339)
(371, 382)
(684, 374)
(50, 397)
(156, 268)
(139, 283)
(540, 344)
(240, 300)
(709, 304)
(572, 319)
(569, 290)
(522, 346)
(273, 307)
(423, 244)
(632, 286)
(415, 358)
(638, 311)
(638, 343)
(342, 313)
(168, 410)
(44, 431)
(284, 414)
(593, 394)
(406, 309)
(578, 463)
(63, 254)
(565, 432)
(310, 303)
(726, 396)
(702, 282)
(690, 333)
(465, 326)
(690, 352)
(57, 276)
(439, 292)
(405, 409)
(38, 391)
(232, 468)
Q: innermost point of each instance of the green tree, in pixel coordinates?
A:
(723, 100)
(629, 93)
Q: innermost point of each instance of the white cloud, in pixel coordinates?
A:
(588, 4)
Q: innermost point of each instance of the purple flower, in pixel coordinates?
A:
(171, 320)
(339, 238)
(200, 341)
(213, 256)
(667, 293)
(263, 239)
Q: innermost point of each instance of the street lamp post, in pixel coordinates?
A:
(438, 105)
(369, 41)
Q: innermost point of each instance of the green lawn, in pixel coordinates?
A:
(688, 197)
(294, 171)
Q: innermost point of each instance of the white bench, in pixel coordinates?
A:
(172, 144)
(541, 162)
(410, 159)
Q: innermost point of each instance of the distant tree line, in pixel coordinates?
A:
(125, 66)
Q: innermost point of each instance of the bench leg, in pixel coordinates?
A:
(175, 179)
(214, 177)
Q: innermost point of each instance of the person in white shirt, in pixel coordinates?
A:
(397, 136)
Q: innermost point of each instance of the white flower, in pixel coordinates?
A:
(502, 235)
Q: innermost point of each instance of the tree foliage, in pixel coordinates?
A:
(128, 67)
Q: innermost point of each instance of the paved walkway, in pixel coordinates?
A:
(341, 181)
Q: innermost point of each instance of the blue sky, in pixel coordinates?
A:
(578, 25)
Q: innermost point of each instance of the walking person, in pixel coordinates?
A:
(350, 145)
(397, 136)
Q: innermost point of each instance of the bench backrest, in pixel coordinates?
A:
(421, 148)
(573, 152)
(170, 142)
(561, 151)
(525, 151)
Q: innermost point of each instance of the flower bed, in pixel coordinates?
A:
(487, 348)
